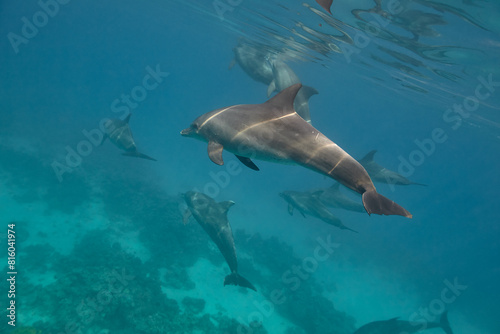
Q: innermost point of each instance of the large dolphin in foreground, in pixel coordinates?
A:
(212, 217)
(119, 133)
(309, 203)
(381, 174)
(274, 131)
(395, 326)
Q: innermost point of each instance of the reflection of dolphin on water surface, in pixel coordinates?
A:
(274, 131)
(119, 133)
(212, 216)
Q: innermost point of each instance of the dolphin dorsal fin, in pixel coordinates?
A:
(285, 98)
(127, 118)
(368, 157)
(226, 205)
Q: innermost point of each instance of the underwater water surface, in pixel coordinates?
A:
(95, 241)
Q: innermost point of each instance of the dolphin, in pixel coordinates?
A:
(285, 77)
(253, 61)
(396, 326)
(381, 174)
(273, 131)
(119, 133)
(212, 216)
(326, 4)
(333, 197)
(309, 203)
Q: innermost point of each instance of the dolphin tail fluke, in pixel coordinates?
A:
(138, 155)
(237, 279)
(445, 324)
(380, 205)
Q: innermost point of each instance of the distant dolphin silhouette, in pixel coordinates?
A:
(119, 133)
(253, 60)
(212, 217)
(334, 198)
(309, 203)
(274, 131)
(381, 174)
(395, 326)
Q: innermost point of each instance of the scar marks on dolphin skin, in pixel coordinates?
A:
(340, 160)
(316, 151)
(216, 114)
(261, 123)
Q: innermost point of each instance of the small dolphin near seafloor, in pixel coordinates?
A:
(119, 133)
(212, 216)
(273, 131)
(383, 175)
(396, 326)
(310, 203)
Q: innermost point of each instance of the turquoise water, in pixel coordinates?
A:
(100, 244)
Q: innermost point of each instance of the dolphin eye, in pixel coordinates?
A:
(194, 126)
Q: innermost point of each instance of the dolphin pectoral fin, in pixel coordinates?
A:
(138, 155)
(444, 323)
(290, 209)
(185, 216)
(215, 152)
(237, 279)
(271, 88)
(418, 184)
(376, 203)
(247, 162)
(231, 65)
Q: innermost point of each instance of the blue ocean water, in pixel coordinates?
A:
(100, 244)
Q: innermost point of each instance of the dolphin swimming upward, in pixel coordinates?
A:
(212, 217)
(274, 131)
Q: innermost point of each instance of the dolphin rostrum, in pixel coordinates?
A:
(309, 203)
(396, 326)
(119, 133)
(212, 216)
(274, 131)
(381, 174)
